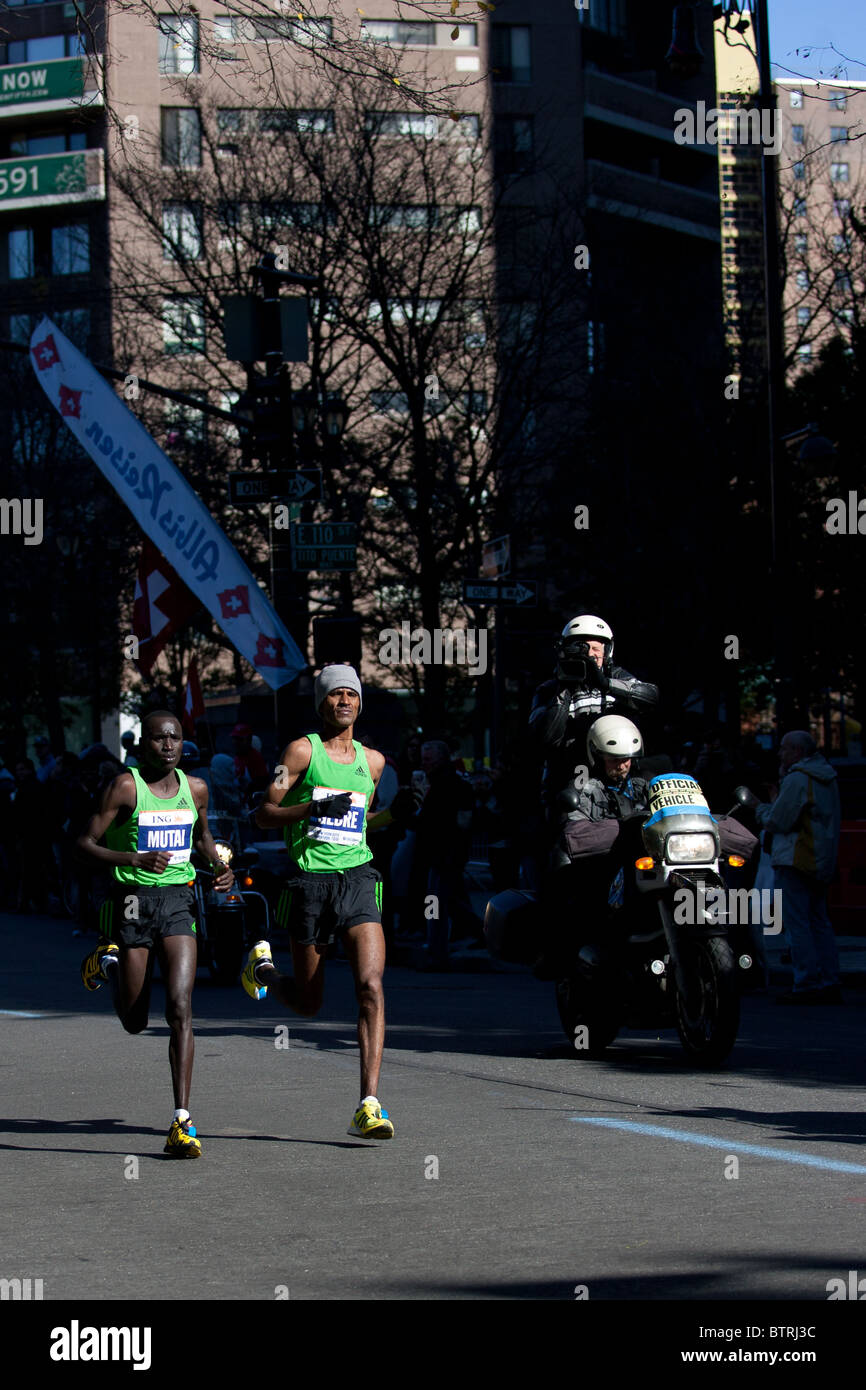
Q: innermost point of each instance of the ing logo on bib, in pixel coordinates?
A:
(167, 831)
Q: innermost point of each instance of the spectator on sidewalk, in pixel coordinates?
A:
(127, 739)
(47, 760)
(804, 823)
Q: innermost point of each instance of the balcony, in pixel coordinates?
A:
(61, 84)
(636, 108)
(44, 180)
(624, 193)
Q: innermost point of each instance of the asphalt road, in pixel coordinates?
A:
(517, 1170)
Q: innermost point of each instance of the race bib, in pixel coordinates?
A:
(169, 831)
(349, 830)
(675, 791)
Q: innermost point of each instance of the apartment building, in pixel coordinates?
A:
(575, 100)
(822, 175)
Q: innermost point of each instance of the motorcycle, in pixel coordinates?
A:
(664, 956)
(229, 923)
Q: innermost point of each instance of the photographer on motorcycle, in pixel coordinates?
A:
(586, 685)
(598, 824)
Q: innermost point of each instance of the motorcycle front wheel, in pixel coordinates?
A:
(590, 1030)
(708, 1022)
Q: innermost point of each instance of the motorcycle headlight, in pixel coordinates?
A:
(690, 848)
(225, 853)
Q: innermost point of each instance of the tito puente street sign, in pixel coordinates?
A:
(324, 545)
(521, 593)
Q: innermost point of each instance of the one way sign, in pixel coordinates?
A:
(523, 593)
(283, 484)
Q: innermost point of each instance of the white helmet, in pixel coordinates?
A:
(614, 737)
(591, 629)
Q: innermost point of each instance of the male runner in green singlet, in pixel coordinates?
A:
(320, 801)
(152, 817)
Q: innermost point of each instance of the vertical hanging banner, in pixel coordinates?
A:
(165, 506)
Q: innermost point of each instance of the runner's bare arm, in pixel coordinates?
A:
(118, 796)
(376, 764)
(203, 843)
(293, 764)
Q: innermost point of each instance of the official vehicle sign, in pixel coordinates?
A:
(169, 831)
(349, 830)
(675, 793)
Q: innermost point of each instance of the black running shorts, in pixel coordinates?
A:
(137, 915)
(315, 908)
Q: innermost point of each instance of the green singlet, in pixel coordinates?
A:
(161, 823)
(328, 846)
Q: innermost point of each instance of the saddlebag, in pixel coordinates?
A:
(512, 926)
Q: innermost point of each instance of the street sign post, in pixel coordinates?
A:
(279, 485)
(496, 558)
(324, 545)
(521, 593)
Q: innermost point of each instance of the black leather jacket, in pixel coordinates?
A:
(560, 718)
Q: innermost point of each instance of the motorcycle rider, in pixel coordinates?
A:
(594, 836)
(585, 686)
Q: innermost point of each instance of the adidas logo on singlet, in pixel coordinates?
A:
(183, 803)
(359, 772)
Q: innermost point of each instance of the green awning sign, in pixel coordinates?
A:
(57, 80)
(47, 175)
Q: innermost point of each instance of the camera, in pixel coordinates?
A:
(572, 658)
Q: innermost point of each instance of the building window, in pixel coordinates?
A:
(839, 134)
(841, 242)
(513, 142)
(805, 352)
(802, 279)
(804, 317)
(43, 50)
(389, 402)
(401, 311)
(799, 171)
(57, 143)
(466, 36)
(184, 425)
(474, 403)
(798, 134)
(842, 281)
(21, 253)
(607, 15)
(841, 207)
(510, 59)
(75, 323)
(183, 324)
(407, 216)
(799, 207)
(70, 249)
(796, 100)
(399, 31)
(178, 44)
(839, 173)
(181, 231)
(297, 122)
(181, 137)
(401, 123)
(839, 102)
(801, 243)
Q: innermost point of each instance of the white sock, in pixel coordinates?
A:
(110, 958)
(181, 1115)
(374, 1099)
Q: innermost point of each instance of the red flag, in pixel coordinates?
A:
(269, 651)
(46, 353)
(193, 700)
(163, 604)
(234, 602)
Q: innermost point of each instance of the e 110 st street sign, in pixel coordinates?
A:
(324, 545)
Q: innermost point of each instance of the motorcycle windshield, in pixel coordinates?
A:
(677, 806)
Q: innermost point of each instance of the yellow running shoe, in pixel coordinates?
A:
(91, 967)
(370, 1121)
(182, 1141)
(259, 955)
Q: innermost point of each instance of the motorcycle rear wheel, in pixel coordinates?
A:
(708, 1036)
(575, 1013)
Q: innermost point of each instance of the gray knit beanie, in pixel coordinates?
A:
(332, 678)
